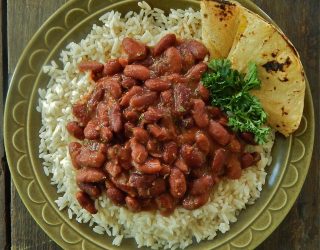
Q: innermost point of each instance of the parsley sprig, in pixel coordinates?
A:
(229, 90)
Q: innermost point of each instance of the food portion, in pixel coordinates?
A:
(146, 137)
(280, 70)
(152, 141)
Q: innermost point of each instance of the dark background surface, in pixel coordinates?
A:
(299, 19)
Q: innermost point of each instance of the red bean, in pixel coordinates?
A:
(138, 72)
(134, 49)
(202, 142)
(75, 130)
(188, 59)
(91, 189)
(80, 111)
(102, 114)
(159, 133)
(128, 82)
(86, 202)
(112, 67)
(113, 169)
(152, 115)
(219, 133)
(167, 97)
(90, 65)
(144, 100)
(131, 115)
(248, 137)
(177, 182)
(194, 74)
(151, 166)
(234, 145)
(90, 175)
(173, 60)
(193, 202)
(115, 118)
(139, 153)
(203, 92)
(135, 90)
(124, 157)
(182, 96)
(105, 134)
(201, 185)
(153, 148)
(170, 151)
(165, 204)
(132, 204)
(219, 160)
(247, 160)
(157, 84)
(74, 151)
(113, 86)
(198, 50)
(165, 171)
(95, 98)
(199, 113)
(192, 156)
(128, 129)
(121, 182)
(234, 168)
(141, 180)
(164, 43)
(91, 131)
(158, 186)
(214, 112)
(116, 196)
(182, 166)
(92, 158)
(140, 135)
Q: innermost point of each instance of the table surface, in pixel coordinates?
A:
(299, 19)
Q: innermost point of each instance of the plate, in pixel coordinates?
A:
(291, 156)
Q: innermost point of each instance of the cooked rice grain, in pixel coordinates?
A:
(67, 85)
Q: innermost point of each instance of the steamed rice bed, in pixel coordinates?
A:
(68, 85)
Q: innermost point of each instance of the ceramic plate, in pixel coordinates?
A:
(291, 156)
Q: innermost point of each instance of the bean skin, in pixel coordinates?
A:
(86, 202)
(134, 49)
(132, 204)
(128, 82)
(156, 84)
(198, 50)
(234, 168)
(75, 130)
(140, 135)
(138, 72)
(102, 114)
(131, 115)
(170, 152)
(135, 90)
(80, 111)
(115, 118)
(95, 98)
(202, 142)
(91, 131)
(201, 185)
(248, 137)
(90, 175)
(164, 43)
(116, 196)
(122, 183)
(113, 169)
(144, 100)
(203, 92)
(173, 60)
(194, 202)
(180, 164)
(91, 189)
(194, 74)
(165, 204)
(74, 151)
(167, 97)
(219, 160)
(177, 182)
(112, 85)
(219, 133)
(151, 166)
(199, 113)
(90, 65)
(234, 145)
(192, 156)
(157, 132)
(92, 158)
(139, 153)
(182, 96)
(112, 67)
(152, 115)
(105, 134)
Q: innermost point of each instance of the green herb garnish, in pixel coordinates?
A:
(229, 90)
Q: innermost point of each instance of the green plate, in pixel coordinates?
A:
(291, 156)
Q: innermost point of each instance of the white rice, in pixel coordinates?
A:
(67, 85)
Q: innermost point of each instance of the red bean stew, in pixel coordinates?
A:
(150, 139)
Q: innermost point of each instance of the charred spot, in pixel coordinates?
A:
(276, 66)
(284, 112)
(285, 79)
(221, 19)
(205, 15)
(264, 55)
(273, 54)
(274, 88)
(278, 126)
(302, 73)
(225, 25)
(222, 4)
